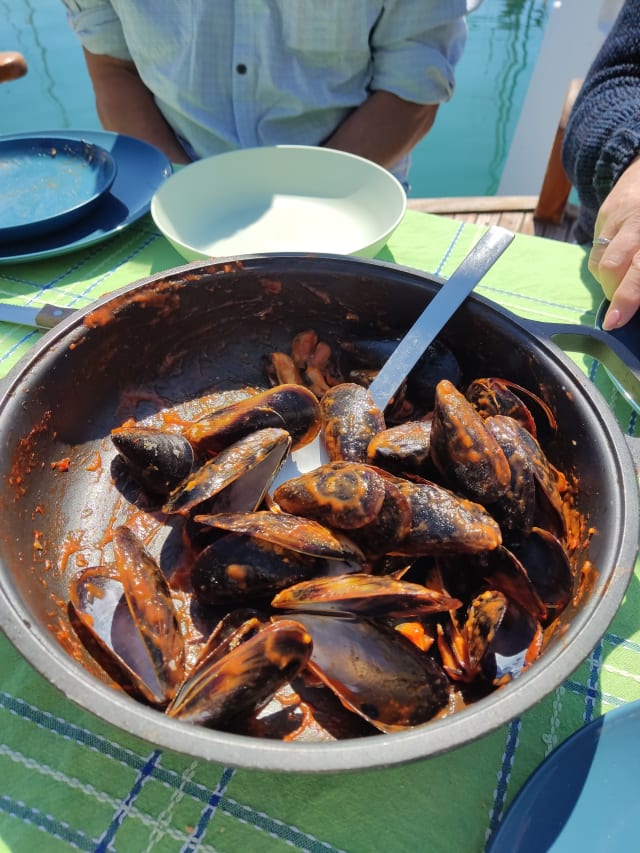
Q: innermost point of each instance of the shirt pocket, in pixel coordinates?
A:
(329, 27)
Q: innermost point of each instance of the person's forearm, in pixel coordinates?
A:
(384, 128)
(125, 105)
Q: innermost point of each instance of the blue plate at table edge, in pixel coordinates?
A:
(142, 168)
(82, 171)
(582, 796)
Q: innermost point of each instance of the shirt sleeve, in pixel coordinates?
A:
(603, 132)
(98, 27)
(416, 46)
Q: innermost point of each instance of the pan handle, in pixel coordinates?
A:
(634, 446)
(622, 365)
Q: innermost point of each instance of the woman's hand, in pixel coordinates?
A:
(615, 256)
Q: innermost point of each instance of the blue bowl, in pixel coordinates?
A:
(49, 183)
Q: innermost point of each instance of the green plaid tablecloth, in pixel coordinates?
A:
(71, 781)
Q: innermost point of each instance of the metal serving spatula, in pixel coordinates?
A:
(442, 307)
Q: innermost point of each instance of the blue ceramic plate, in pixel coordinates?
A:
(141, 169)
(49, 183)
(584, 796)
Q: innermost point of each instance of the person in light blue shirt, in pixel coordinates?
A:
(202, 77)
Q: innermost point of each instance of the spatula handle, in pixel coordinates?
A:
(442, 307)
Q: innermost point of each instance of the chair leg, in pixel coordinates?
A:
(556, 187)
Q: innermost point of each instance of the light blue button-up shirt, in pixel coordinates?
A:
(242, 73)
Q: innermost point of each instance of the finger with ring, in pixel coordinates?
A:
(601, 241)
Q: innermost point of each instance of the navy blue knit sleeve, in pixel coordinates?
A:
(603, 132)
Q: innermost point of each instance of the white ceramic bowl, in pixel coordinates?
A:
(285, 198)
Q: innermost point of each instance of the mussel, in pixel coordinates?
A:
(419, 568)
(291, 407)
(375, 672)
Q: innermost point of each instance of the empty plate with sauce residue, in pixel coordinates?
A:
(49, 183)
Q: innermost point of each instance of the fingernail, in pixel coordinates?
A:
(611, 320)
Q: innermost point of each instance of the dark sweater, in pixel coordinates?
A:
(603, 132)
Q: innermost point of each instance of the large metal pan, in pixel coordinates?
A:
(180, 333)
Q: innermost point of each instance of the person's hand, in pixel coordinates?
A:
(12, 65)
(615, 255)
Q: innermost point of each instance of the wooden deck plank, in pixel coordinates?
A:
(474, 204)
(513, 212)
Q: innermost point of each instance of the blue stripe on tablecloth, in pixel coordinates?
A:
(19, 344)
(107, 837)
(528, 299)
(592, 692)
(31, 283)
(208, 813)
(287, 832)
(46, 823)
(150, 768)
(67, 271)
(504, 774)
(44, 291)
(621, 642)
(447, 253)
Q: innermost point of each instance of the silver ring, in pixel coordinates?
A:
(601, 241)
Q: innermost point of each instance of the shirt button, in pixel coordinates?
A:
(241, 68)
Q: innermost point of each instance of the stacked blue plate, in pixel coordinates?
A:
(48, 184)
(66, 190)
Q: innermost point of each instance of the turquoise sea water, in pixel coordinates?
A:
(462, 155)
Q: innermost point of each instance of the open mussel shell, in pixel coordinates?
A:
(292, 532)
(145, 655)
(128, 610)
(374, 671)
(237, 478)
(291, 407)
(503, 571)
(496, 642)
(223, 690)
(101, 619)
(514, 646)
(547, 566)
(372, 595)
